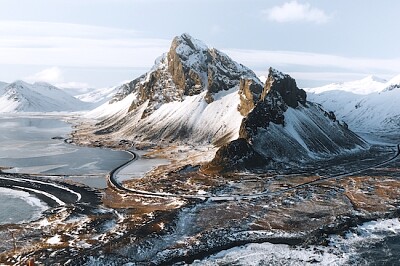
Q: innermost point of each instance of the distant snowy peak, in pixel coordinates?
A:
(364, 86)
(20, 96)
(392, 84)
(373, 112)
(98, 96)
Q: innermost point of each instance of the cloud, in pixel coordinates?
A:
(314, 68)
(262, 58)
(51, 75)
(75, 45)
(294, 11)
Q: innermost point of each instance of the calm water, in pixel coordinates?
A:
(27, 146)
(17, 206)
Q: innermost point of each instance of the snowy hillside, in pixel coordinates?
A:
(98, 96)
(284, 127)
(20, 96)
(198, 95)
(376, 111)
(2, 85)
(190, 94)
(364, 86)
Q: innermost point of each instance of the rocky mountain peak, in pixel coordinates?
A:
(189, 68)
(286, 86)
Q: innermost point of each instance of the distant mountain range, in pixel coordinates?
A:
(367, 105)
(20, 96)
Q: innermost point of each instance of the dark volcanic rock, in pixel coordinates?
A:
(286, 86)
(236, 155)
(265, 132)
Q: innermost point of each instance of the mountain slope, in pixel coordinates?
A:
(378, 111)
(285, 127)
(20, 96)
(364, 86)
(98, 96)
(189, 95)
(198, 95)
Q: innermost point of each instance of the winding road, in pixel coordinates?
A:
(112, 180)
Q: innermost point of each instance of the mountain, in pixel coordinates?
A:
(198, 95)
(364, 86)
(373, 112)
(98, 96)
(284, 127)
(190, 95)
(2, 85)
(20, 96)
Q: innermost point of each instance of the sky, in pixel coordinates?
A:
(102, 43)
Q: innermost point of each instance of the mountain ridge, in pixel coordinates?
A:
(20, 96)
(198, 95)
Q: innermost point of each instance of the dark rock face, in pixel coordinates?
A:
(266, 133)
(269, 110)
(237, 155)
(286, 87)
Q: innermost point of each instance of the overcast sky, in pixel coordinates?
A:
(100, 43)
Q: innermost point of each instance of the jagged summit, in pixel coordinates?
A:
(188, 69)
(284, 127)
(199, 95)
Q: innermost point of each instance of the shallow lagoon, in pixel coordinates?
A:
(26, 144)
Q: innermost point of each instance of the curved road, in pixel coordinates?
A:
(52, 192)
(114, 183)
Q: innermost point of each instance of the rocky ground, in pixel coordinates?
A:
(297, 206)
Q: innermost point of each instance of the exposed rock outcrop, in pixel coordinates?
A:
(282, 126)
(237, 155)
(189, 69)
(198, 95)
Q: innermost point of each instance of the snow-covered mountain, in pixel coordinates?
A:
(2, 85)
(364, 86)
(196, 94)
(377, 111)
(98, 96)
(20, 96)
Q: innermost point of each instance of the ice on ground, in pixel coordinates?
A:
(273, 254)
(54, 240)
